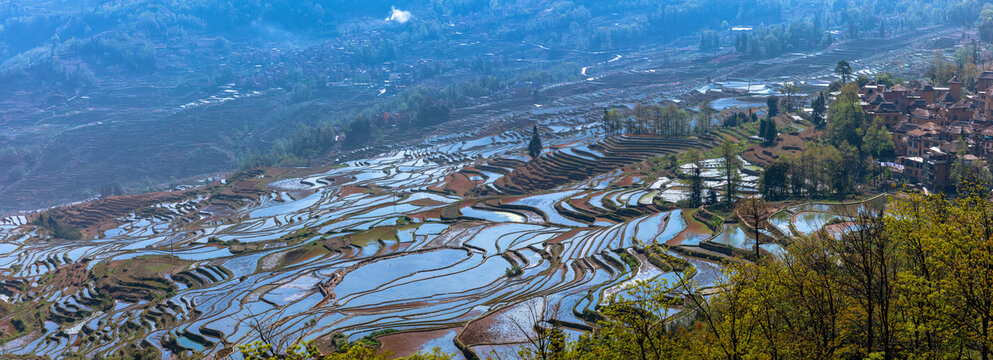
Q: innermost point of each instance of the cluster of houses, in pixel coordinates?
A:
(930, 125)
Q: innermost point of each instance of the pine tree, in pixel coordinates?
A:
(534, 148)
(771, 133)
(773, 104)
(696, 178)
(730, 165)
(696, 186)
(819, 105)
(844, 71)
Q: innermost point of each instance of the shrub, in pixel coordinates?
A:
(628, 259)
(18, 325)
(514, 271)
(307, 351)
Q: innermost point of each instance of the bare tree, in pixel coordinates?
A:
(726, 317)
(270, 334)
(708, 115)
(545, 340)
(790, 90)
(866, 254)
(755, 213)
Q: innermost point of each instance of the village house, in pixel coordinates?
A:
(929, 125)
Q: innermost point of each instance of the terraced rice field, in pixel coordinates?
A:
(394, 242)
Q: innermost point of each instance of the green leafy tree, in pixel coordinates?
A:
(941, 71)
(709, 40)
(612, 123)
(307, 351)
(862, 80)
(887, 78)
(947, 247)
(877, 141)
(774, 180)
(846, 118)
(969, 177)
(985, 25)
(636, 325)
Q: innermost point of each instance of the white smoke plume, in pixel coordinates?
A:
(400, 16)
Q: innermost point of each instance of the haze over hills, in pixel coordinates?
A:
(532, 179)
(99, 94)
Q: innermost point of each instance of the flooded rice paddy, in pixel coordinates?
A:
(381, 243)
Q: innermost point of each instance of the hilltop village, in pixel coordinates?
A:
(933, 126)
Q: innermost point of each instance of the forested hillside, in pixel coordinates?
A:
(161, 73)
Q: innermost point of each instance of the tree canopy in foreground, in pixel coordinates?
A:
(913, 282)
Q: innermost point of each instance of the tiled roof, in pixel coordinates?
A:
(956, 130)
(950, 147)
(921, 113)
(904, 127)
(886, 108)
(961, 104)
